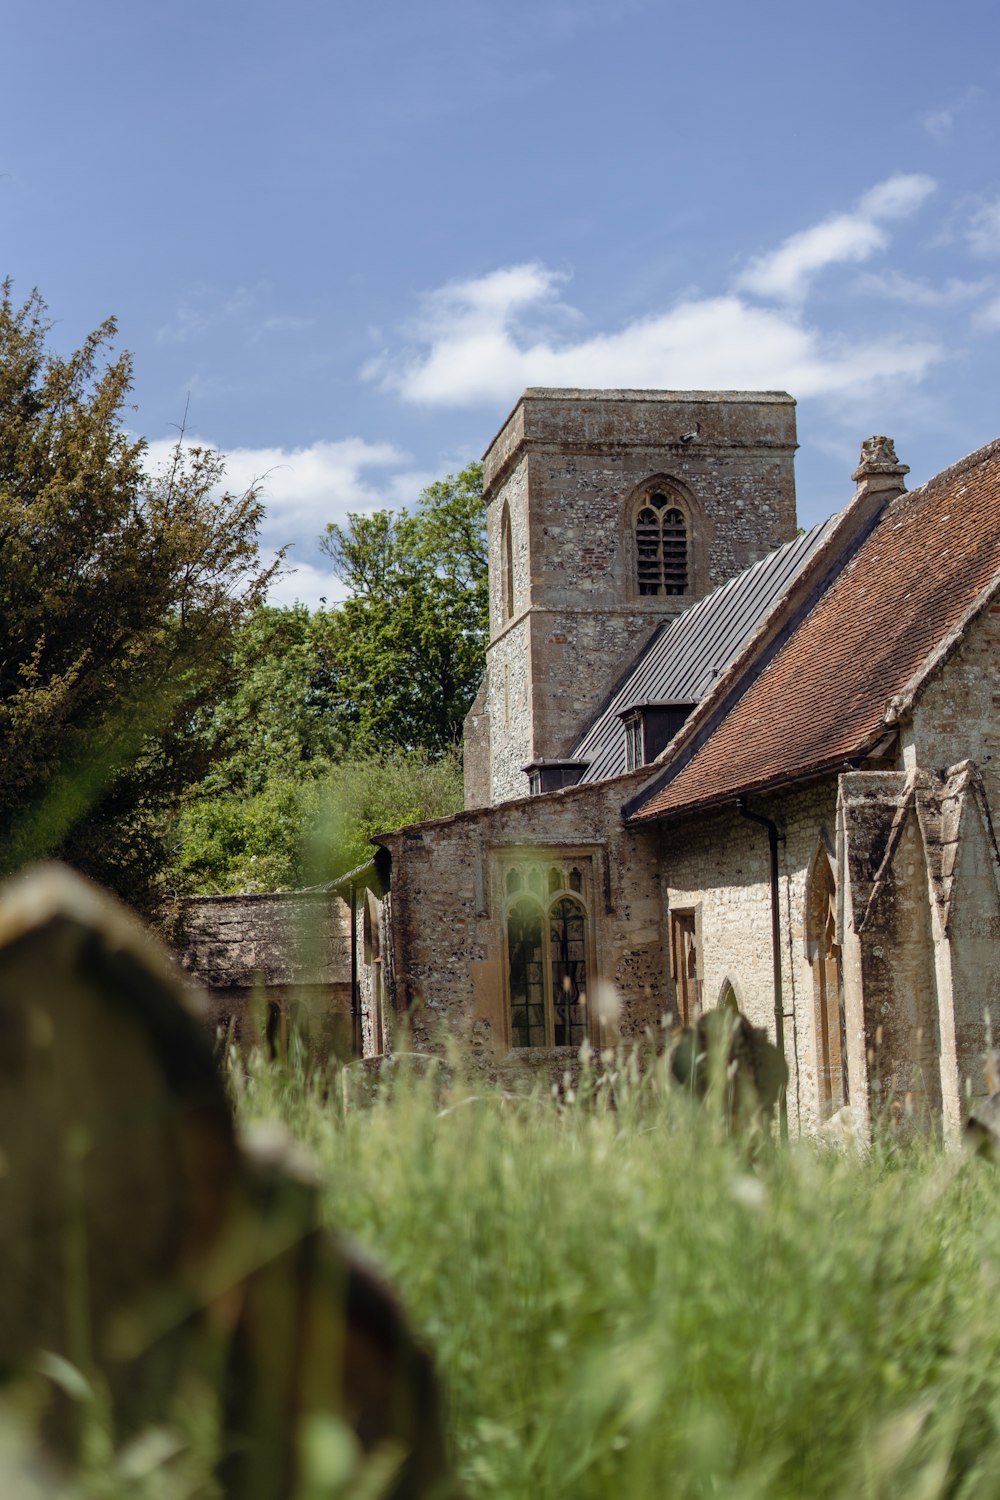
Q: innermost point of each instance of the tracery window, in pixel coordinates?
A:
(661, 543)
(548, 939)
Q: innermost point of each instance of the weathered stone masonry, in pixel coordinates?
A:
(288, 950)
(858, 720)
(914, 854)
(446, 896)
(717, 867)
(563, 473)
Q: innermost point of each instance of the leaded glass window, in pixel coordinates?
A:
(568, 957)
(547, 937)
(527, 975)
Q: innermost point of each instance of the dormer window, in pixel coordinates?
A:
(553, 775)
(661, 543)
(649, 728)
(635, 754)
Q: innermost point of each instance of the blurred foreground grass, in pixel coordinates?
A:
(621, 1302)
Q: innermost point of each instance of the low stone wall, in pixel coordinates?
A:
(267, 961)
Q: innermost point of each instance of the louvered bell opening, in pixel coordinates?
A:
(647, 540)
(674, 552)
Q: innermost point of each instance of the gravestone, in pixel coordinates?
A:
(141, 1239)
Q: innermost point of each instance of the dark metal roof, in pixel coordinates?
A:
(684, 656)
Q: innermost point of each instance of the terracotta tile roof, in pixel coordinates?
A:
(825, 695)
(683, 657)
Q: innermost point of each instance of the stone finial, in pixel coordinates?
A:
(878, 456)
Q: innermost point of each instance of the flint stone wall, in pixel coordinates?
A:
(444, 917)
(566, 465)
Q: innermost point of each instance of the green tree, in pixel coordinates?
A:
(346, 722)
(289, 833)
(285, 713)
(121, 595)
(413, 630)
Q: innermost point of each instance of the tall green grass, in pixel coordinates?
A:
(622, 1302)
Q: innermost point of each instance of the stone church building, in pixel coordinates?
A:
(714, 759)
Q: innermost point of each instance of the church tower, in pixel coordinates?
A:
(608, 512)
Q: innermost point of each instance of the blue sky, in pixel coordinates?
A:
(349, 236)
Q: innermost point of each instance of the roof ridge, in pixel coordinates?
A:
(972, 460)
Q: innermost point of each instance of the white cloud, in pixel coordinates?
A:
(304, 583)
(785, 273)
(186, 324)
(498, 291)
(713, 343)
(983, 233)
(907, 289)
(289, 324)
(898, 196)
(477, 308)
(204, 308)
(484, 339)
(305, 488)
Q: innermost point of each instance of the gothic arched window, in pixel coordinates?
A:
(828, 996)
(661, 544)
(527, 974)
(547, 956)
(568, 959)
(727, 998)
(506, 566)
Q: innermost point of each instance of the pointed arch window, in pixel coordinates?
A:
(661, 544)
(828, 992)
(548, 943)
(727, 998)
(525, 949)
(568, 959)
(506, 565)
